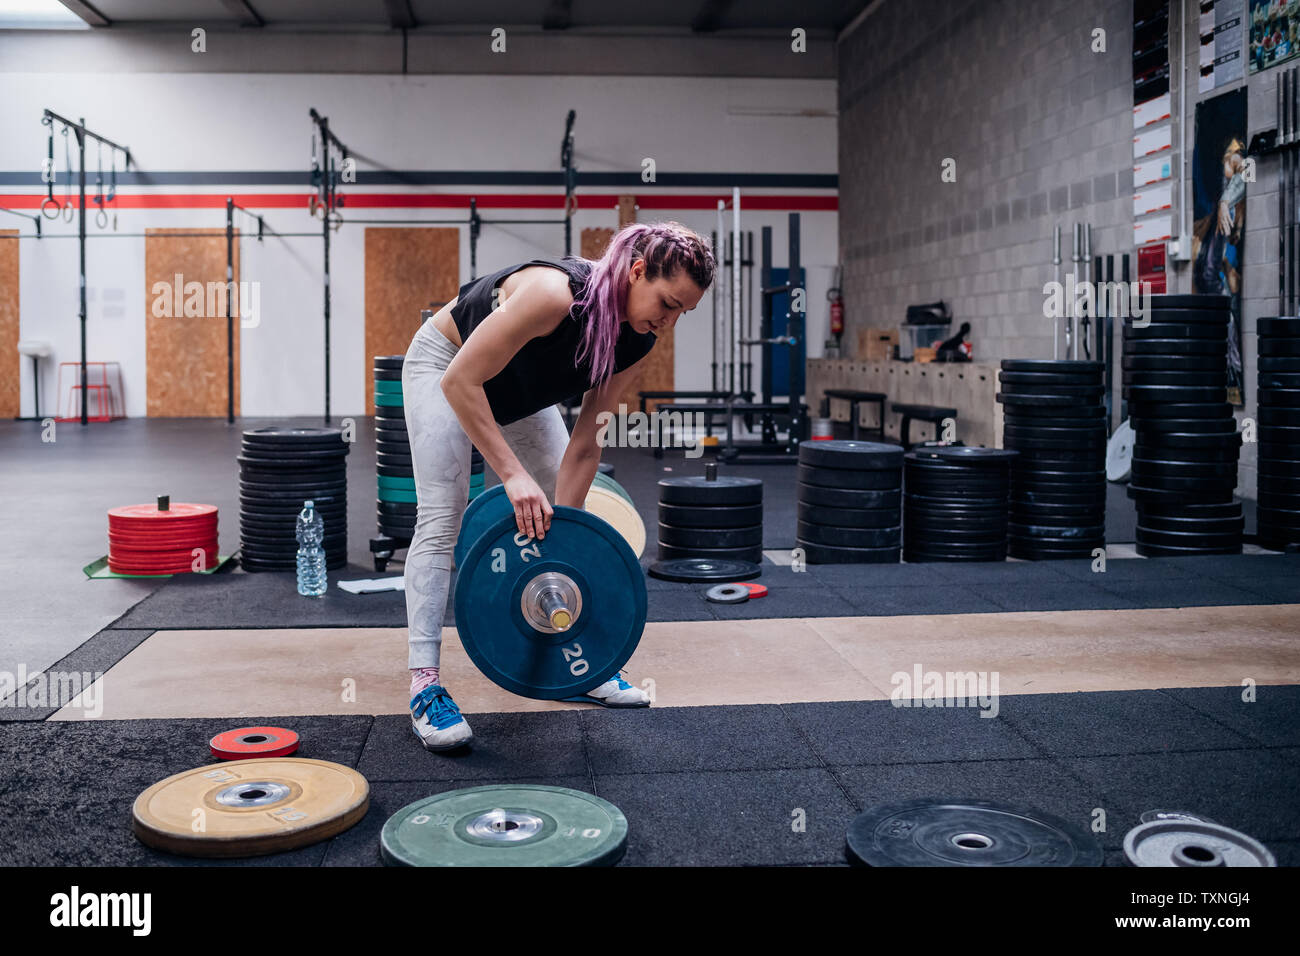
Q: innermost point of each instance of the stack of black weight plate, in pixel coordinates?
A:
(1185, 438)
(279, 469)
(711, 517)
(1054, 417)
(1279, 434)
(955, 504)
(849, 502)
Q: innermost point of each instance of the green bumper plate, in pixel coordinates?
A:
(98, 569)
(511, 825)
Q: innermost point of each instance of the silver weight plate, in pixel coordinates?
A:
(1193, 843)
(728, 594)
(1151, 815)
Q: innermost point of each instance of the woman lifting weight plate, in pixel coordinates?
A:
(488, 369)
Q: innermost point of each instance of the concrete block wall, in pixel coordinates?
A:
(1040, 128)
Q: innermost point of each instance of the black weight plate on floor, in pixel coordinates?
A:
(1066, 366)
(1223, 509)
(388, 361)
(282, 434)
(1290, 380)
(292, 517)
(1063, 532)
(392, 448)
(850, 454)
(711, 538)
(1280, 397)
(850, 517)
(845, 478)
(1032, 471)
(1071, 426)
(259, 476)
(1025, 550)
(1164, 498)
(1288, 347)
(1197, 488)
(476, 468)
(1031, 503)
(952, 507)
(1148, 428)
(825, 554)
(953, 553)
(1279, 451)
(1154, 438)
(1157, 474)
(1278, 415)
(1081, 416)
(1087, 431)
(1181, 379)
(1038, 400)
(387, 374)
(1050, 379)
(303, 460)
(1206, 332)
(724, 516)
(394, 471)
(1278, 468)
(1192, 525)
(965, 456)
(943, 474)
(1278, 363)
(753, 555)
(1171, 394)
(848, 497)
(1081, 393)
(1279, 435)
(1024, 519)
(1092, 458)
(1139, 411)
(249, 490)
(273, 540)
(393, 435)
(265, 444)
(704, 570)
(396, 508)
(849, 537)
(986, 524)
(1280, 326)
(1277, 518)
(1059, 440)
(1173, 363)
(393, 461)
(1186, 456)
(392, 423)
(1174, 346)
(726, 490)
(955, 492)
(1184, 317)
(1182, 539)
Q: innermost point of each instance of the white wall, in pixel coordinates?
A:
(206, 122)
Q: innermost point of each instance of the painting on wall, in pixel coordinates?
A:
(1274, 32)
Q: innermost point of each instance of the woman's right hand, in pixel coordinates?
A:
(532, 510)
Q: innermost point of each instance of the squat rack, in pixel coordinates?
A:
(328, 199)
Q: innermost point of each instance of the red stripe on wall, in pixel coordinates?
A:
(458, 201)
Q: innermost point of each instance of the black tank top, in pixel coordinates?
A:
(545, 370)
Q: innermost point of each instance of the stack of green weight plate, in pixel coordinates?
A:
(396, 502)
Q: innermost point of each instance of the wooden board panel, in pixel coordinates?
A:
(10, 360)
(407, 270)
(185, 354)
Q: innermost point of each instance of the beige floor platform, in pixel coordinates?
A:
(234, 673)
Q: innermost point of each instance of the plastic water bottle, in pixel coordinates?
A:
(311, 556)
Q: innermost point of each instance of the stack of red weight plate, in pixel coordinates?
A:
(162, 538)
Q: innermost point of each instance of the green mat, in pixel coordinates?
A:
(99, 569)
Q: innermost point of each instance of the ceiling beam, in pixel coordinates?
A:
(558, 15)
(246, 15)
(400, 16)
(710, 16)
(89, 14)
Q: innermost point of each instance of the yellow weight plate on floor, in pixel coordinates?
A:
(250, 807)
(617, 511)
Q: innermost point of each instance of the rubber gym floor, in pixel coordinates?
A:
(1119, 690)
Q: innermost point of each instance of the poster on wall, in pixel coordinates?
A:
(1274, 32)
(1222, 41)
(1219, 207)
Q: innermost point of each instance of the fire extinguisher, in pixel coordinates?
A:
(837, 311)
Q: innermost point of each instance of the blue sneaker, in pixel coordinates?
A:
(436, 720)
(615, 692)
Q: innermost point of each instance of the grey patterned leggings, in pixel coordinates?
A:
(440, 453)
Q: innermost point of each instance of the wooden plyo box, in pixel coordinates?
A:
(876, 345)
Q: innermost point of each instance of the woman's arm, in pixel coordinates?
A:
(535, 308)
(582, 457)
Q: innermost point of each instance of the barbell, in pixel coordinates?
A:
(550, 618)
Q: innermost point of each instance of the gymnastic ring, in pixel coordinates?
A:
(69, 213)
(46, 203)
(101, 219)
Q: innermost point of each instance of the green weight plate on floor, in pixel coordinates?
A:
(474, 493)
(388, 387)
(385, 399)
(510, 825)
(396, 484)
(604, 481)
(392, 494)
